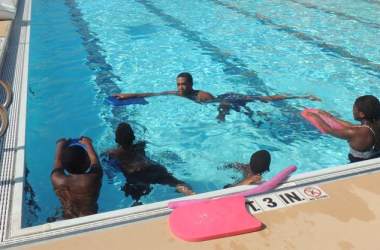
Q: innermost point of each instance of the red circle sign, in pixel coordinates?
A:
(312, 192)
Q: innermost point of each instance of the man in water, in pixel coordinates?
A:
(252, 172)
(184, 89)
(227, 101)
(77, 177)
(138, 169)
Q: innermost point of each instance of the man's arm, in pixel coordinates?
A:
(57, 174)
(61, 143)
(94, 161)
(283, 97)
(123, 96)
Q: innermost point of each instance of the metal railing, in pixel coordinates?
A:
(4, 106)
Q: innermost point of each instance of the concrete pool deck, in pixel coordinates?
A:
(348, 219)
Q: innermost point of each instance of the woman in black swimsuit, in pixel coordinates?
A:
(363, 139)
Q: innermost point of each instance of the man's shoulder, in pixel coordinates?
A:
(204, 96)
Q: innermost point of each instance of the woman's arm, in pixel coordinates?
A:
(347, 132)
(337, 120)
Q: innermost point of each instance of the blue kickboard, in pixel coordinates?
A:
(116, 102)
(75, 142)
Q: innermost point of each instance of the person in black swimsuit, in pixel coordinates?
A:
(138, 169)
(363, 139)
(227, 101)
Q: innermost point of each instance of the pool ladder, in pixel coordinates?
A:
(3, 107)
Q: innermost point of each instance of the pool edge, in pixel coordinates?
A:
(14, 235)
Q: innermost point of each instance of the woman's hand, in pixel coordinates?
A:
(325, 113)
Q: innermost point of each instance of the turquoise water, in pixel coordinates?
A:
(82, 51)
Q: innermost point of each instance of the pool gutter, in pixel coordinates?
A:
(15, 71)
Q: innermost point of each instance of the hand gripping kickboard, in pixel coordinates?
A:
(211, 219)
(123, 102)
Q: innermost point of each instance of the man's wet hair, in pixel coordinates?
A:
(186, 75)
(260, 162)
(124, 135)
(370, 106)
(75, 159)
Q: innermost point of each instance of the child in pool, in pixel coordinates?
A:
(252, 172)
(138, 169)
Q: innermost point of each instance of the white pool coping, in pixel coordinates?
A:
(15, 70)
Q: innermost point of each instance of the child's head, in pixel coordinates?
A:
(75, 159)
(260, 162)
(124, 135)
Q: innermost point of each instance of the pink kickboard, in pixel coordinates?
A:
(331, 122)
(264, 187)
(213, 219)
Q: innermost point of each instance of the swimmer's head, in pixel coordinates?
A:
(124, 135)
(260, 162)
(184, 84)
(366, 107)
(75, 159)
(136, 190)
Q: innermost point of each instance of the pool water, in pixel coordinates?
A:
(83, 51)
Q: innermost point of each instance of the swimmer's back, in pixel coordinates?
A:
(78, 193)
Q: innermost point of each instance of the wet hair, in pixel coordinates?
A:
(124, 135)
(186, 75)
(369, 105)
(136, 190)
(260, 162)
(75, 159)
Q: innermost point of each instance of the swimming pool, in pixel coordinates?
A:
(82, 51)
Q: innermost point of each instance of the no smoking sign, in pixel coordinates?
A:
(313, 192)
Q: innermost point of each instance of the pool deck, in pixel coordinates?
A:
(348, 219)
(5, 28)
